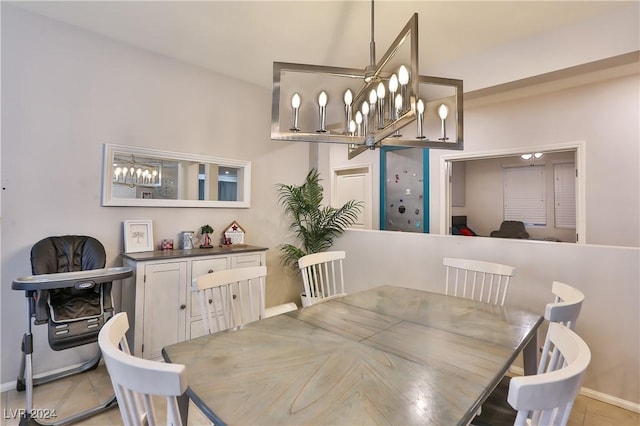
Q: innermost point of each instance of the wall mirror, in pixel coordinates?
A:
(134, 176)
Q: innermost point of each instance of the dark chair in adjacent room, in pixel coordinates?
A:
(70, 292)
(511, 229)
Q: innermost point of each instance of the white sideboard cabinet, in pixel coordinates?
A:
(158, 299)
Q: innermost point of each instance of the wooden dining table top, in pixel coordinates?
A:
(388, 355)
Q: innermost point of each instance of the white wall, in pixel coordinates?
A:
(65, 92)
(608, 276)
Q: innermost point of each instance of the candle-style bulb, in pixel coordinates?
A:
(295, 104)
(358, 123)
(393, 83)
(403, 75)
(322, 103)
(295, 100)
(348, 97)
(322, 99)
(420, 108)
(373, 97)
(443, 111)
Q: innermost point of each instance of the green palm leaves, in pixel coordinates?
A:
(315, 225)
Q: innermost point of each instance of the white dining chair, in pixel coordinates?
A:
(322, 275)
(547, 397)
(478, 280)
(564, 310)
(231, 298)
(136, 380)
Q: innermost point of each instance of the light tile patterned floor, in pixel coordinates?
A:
(73, 394)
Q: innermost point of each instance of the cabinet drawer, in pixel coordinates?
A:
(205, 266)
(245, 260)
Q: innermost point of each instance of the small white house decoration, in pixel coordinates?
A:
(234, 234)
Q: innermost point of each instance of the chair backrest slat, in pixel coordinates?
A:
(478, 280)
(322, 275)
(236, 297)
(135, 380)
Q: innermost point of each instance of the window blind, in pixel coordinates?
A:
(564, 191)
(524, 195)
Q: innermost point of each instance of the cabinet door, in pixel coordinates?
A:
(164, 318)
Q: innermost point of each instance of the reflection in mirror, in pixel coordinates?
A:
(145, 177)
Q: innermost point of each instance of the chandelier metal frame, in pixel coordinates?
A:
(388, 132)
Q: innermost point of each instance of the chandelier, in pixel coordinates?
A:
(371, 107)
(136, 172)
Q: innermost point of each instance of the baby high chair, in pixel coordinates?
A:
(70, 291)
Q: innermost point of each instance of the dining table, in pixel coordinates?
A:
(386, 355)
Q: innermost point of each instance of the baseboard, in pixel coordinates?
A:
(590, 393)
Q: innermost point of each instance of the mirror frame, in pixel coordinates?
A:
(109, 201)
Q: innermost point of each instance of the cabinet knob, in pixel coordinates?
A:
(183, 306)
(210, 301)
(210, 270)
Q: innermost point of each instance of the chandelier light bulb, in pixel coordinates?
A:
(365, 108)
(117, 172)
(295, 104)
(403, 75)
(322, 99)
(393, 87)
(443, 111)
(380, 91)
(398, 103)
(352, 128)
(295, 100)
(365, 117)
(393, 83)
(322, 103)
(526, 156)
(420, 108)
(358, 123)
(373, 97)
(537, 154)
(348, 97)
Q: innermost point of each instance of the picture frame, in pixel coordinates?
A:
(138, 236)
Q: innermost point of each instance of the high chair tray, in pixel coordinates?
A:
(78, 279)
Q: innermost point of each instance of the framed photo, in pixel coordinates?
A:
(138, 236)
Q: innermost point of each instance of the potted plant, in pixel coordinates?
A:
(205, 230)
(315, 225)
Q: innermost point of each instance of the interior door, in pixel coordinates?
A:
(354, 183)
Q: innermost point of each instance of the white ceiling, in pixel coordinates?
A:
(243, 38)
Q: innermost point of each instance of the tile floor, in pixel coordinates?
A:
(72, 394)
